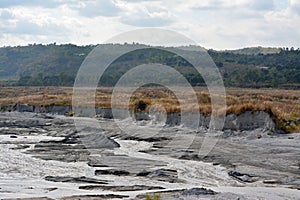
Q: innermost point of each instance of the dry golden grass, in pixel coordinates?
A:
(283, 105)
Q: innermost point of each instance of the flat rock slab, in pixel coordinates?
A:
(124, 162)
(75, 179)
(116, 172)
(243, 177)
(95, 197)
(198, 191)
(194, 193)
(36, 198)
(166, 175)
(121, 188)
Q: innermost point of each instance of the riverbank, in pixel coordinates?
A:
(249, 120)
(283, 106)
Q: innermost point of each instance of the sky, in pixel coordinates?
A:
(217, 24)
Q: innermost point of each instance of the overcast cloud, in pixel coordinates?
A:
(218, 24)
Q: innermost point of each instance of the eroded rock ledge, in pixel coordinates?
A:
(248, 120)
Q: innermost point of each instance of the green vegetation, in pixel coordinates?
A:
(38, 65)
(57, 65)
(70, 113)
(154, 197)
(255, 50)
(262, 70)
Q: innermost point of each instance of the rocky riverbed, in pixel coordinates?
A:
(46, 156)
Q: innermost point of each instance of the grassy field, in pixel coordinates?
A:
(284, 105)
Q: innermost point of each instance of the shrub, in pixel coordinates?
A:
(154, 197)
(140, 105)
(70, 113)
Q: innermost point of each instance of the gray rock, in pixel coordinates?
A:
(272, 181)
(115, 172)
(104, 113)
(167, 175)
(24, 108)
(95, 197)
(242, 177)
(230, 122)
(198, 191)
(82, 179)
(141, 116)
(253, 120)
(120, 188)
(60, 109)
(173, 119)
(227, 196)
(94, 140)
(34, 198)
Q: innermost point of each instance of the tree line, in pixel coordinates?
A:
(57, 65)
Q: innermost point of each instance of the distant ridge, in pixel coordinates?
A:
(255, 50)
(57, 65)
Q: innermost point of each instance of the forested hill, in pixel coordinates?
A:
(255, 50)
(57, 65)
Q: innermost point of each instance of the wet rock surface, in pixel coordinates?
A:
(167, 175)
(192, 194)
(242, 177)
(98, 160)
(37, 198)
(121, 188)
(95, 197)
(198, 191)
(75, 179)
(116, 172)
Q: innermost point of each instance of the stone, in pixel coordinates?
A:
(95, 197)
(115, 172)
(272, 181)
(242, 177)
(60, 109)
(82, 179)
(168, 175)
(143, 173)
(24, 108)
(120, 188)
(227, 196)
(97, 140)
(34, 198)
(198, 191)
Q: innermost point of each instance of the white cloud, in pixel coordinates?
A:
(213, 23)
(33, 3)
(295, 6)
(99, 8)
(6, 15)
(225, 4)
(145, 14)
